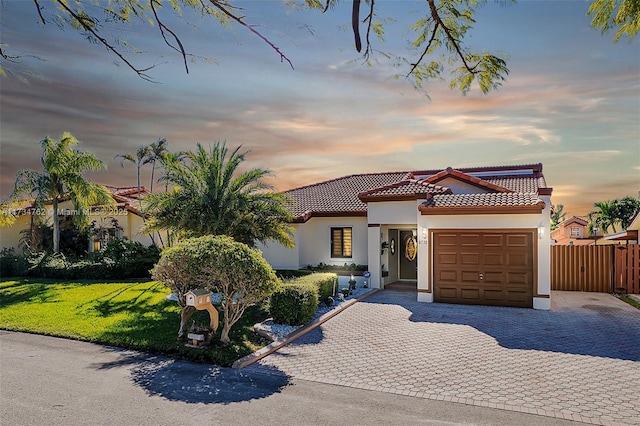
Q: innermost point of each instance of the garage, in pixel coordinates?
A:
(484, 267)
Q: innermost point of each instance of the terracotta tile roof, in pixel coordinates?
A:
(505, 186)
(405, 189)
(127, 191)
(464, 177)
(574, 219)
(493, 199)
(338, 195)
(517, 183)
(127, 197)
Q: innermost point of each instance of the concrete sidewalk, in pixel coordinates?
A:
(580, 361)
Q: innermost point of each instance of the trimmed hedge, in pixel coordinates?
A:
(323, 281)
(285, 274)
(296, 302)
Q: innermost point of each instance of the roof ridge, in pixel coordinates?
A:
(420, 182)
(465, 177)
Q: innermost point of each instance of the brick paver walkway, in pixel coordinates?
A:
(580, 361)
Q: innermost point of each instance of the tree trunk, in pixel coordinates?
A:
(153, 171)
(56, 227)
(224, 334)
(187, 312)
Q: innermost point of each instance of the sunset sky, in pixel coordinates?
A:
(571, 101)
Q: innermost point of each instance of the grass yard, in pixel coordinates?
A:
(630, 301)
(132, 315)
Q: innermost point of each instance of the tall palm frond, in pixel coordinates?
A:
(212, 197)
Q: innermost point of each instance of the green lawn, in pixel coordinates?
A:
(132, 315)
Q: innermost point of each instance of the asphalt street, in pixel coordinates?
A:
(51, 381)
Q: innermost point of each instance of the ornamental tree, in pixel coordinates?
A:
(219, 264)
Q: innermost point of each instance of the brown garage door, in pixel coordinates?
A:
(483, 267)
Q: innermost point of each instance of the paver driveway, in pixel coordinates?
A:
(579, 361)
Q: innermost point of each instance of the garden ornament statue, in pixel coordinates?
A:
(352, 283)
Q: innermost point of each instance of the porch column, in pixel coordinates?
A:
(425, 292)
(373, 257)
(543, 301)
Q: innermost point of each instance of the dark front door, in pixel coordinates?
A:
(408, 256)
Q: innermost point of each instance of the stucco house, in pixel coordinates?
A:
(475, 235)
(126, 211)
(573, 231)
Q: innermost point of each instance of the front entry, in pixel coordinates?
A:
(408, 255)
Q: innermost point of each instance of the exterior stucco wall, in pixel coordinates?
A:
(279, 256)
(313, 244)
(315, 240)
(10, 236)
(392, 212)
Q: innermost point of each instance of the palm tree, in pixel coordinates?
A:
(156, 151)
(211, 197)
(62, 175)
(627, 209)
(169, 158)
(604, 217)
(139, 159)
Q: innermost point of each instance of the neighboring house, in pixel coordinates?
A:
(573, 232)
(126, 211)
(471, 235)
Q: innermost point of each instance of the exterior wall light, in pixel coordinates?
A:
(540, 231)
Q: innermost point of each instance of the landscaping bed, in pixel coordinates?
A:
(277, 332)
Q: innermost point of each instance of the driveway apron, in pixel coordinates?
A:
(580, 361)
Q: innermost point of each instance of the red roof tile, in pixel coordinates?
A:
(338, 195)
(492, 199)
(405, 189)
(508, 186)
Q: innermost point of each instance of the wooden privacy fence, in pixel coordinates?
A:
(604, 268)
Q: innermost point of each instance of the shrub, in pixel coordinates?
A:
(285, 274)
(48, 265)
(294, 303)
(325, 282)
(346, 267)
(119, 260)
(128, 259)
(90, 270)
(219, 264)
(11, 264)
